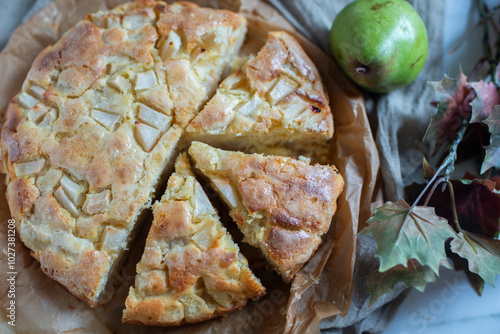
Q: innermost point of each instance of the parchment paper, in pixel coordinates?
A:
(322, 289)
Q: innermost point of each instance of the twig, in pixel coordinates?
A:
(454, 147)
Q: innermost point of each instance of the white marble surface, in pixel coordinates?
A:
(450, 305)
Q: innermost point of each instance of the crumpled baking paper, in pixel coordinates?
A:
(322, 289)
(399, 120)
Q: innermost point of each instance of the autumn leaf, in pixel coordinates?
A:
(413, 275)
(453, 105)
(475, 281)
(459, 263)
(484, 102)
(429, 172)
(496, 180)
(469, 179)
(492, 158)
(403, 233)
(482, 254)
(472, 145)
(478, 207)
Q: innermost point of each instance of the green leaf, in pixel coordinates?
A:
(492, 158)
(413, 275)
(482, 254)
(403, 234)
(453, 105)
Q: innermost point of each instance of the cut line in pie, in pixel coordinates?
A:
(191, 269)
(91, 137)
(282, 206)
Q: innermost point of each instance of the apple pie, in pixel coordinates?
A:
(282, 206)
(276, 97)
(191, 269)
(89, 137)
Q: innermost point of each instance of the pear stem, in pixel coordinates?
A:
(362, 68)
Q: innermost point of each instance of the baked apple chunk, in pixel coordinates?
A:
(191, 269)
(93, 131)
(276, 97)
(282, 206)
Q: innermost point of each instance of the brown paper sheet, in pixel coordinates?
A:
(322, 289)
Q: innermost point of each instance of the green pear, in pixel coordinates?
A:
(380, 44)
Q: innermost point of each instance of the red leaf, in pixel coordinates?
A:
(491, 183)
(478, 208)
(472, 145)
(454, 97)
(486, 99)
(496, 179)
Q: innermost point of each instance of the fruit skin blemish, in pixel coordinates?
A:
(380, 44)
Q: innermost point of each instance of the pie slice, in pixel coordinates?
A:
(191, 269)
(196, 46)
(276, 97)
(283, 206)
(87, 140)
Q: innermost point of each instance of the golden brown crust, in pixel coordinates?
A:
(209, 38)
(86, 140)
(173, 221)
(191, 270)
(81, 276)
(24, 194)
(277, 96)
(282, 205)
(290, 249)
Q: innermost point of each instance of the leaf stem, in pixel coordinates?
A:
(445, 163)
(448, 162)
(454, 205)
(436, 184)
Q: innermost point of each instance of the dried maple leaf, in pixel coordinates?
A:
(470, 178)
(478, 207)
(429, 172)
(473, 142)
(454, 97)
(482, 254)
(459, 263)
(484, 102)
(492, 158)
(403, 233)
(413, 275)
(496, 180)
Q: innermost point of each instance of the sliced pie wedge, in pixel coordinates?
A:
(196, 46)
(283, 206)
(91, 134)
(191, 269)
(276, 97)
